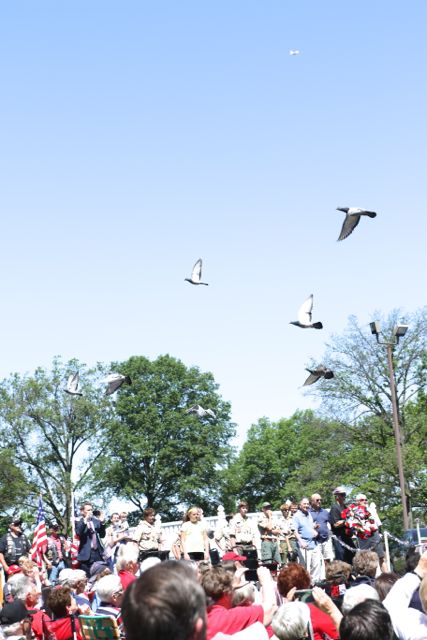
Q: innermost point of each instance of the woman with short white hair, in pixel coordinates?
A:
(110, 592)
(127, 564)
(292, 621)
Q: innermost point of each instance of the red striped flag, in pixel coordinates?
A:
(39, 545)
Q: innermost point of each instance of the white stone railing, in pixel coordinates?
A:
(170, 530)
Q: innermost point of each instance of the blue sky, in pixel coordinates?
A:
(136, 137)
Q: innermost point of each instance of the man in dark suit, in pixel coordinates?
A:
(90, 531)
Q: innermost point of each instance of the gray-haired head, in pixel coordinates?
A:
(357, 594)
(20, 586)
(107, 587)
(71, 577)
(291, 621)
(127, 553)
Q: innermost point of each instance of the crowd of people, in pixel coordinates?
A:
(309, 573)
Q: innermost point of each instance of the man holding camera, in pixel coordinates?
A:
(90, 530)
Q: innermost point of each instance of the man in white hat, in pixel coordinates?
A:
(337, 523)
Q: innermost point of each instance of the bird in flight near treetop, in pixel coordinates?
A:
(114, 381)
(73, 385)
(200, 412)
(316, 374)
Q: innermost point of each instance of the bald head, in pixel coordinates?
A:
(316, 500)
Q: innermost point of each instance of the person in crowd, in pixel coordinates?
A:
(357, 594)
(288, 546)
(384, 582)
(194, 537)
(167, 603)
(77, 581)
(146, 536)
(321, 522)
(232, 561)
(338, 576)
(110, 593)
(269, 531)
(127, 564)
(337, 523)
(359, 521)
(63, 607)
(55, 552)
(368, 620)
(90, 530)
(243, 533)
(295, 577)
(24, 589)
(365, 567)
(222, 534)
(292, 621)
(15, 621)
(13, 545)
(114, 535)
(244, 593)
(307, 535)
(222, 618)
(409, 623)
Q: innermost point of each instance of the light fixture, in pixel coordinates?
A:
(375, 328)
(399, 331)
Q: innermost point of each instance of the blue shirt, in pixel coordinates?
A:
(303, 523)
(321, 516)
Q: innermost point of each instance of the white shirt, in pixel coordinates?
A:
(408, 623)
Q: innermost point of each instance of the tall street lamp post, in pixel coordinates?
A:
(398, 332)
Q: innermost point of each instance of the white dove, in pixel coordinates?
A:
(196, 274)
(73, 385)
(304, 316)
(200, 412)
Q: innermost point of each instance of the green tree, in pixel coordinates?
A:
(155, 453)
(289, 458)
(14, 488)
(359, 398)
(54, 436)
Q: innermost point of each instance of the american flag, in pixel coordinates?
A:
(75, 542)
(39, 545)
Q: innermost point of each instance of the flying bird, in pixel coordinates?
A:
(304, 316)
(196, 274)
(200, 412)
(294, 52)
(114, 381)
(352, 219)
(316, 374)
(73, 385)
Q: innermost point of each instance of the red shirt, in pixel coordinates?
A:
(126, 578)
(322, 624)
(232, 620)
(63, 628)
(37, 622)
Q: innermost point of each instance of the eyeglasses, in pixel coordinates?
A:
(363, 499)
(318, 500)
(239, 586)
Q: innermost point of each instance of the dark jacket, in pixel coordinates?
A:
(85, 534)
